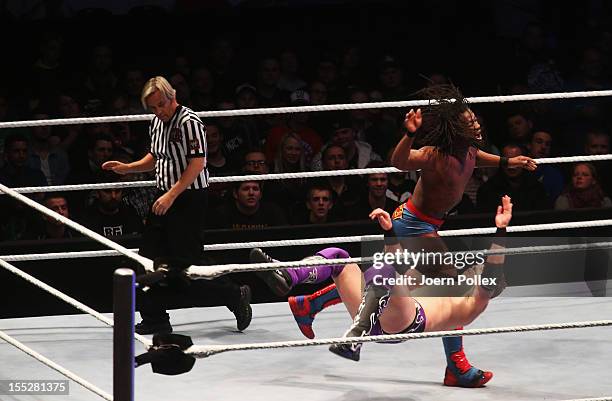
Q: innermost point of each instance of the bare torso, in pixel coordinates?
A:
(441, 187)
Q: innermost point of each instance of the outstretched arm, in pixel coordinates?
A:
(484, 159)
(404, 157)
(147, 163)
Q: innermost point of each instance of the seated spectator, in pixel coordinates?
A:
(298, 123)
(290, 79)
(202, 88)
(399, 185)
(290, 155)
(99, 151)
(239, 134)
(316, 209)
(51, 228)
(108, 215)
(376, 196)
(598, 143)
(549, 175)
(16, 172)
(347, 189)
(584, 190)
(526, 191)
(255, 162)
(246, 211)
(358, 153)
(50, 160)
(519, 125)
(16, 217)
(217, 164)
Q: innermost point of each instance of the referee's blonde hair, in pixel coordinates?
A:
(157, 83)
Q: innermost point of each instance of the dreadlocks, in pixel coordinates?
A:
(444, 125)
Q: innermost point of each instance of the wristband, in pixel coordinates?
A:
(503, 162)
(410, 134)
(500, 237)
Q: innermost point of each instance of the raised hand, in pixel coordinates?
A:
(504, 212)
(384, 219)
(413, 120)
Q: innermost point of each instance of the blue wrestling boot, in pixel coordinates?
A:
(374, 301)
(306, 307)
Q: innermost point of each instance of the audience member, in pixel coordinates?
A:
(290, 79)
(109, 215)
(51, 161)
(295, 123)
(526, 191)
(549, 175)
(202, 89)
(239, 135)
(16, 217)
(358, 153)
(519, 125)
(246, 211)
(347, 189)
(376, 196)
(16, 172)
(584, 190)
(598, 143)
(51, 228)
(317, 206)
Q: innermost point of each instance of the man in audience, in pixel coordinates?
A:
(108, 215)
(319, 202)
(246, 211)
(526, 191)
(549, 175)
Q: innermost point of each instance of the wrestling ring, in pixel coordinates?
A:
(562, 365)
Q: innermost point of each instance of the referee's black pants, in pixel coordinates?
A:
(178, 235)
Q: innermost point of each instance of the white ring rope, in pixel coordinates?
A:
(279, 176)
(304, 109)
(317, 241)
(69, 300)
(145, 262)
(67, 373)
(204, 351)
(604, 398)
(213, 271)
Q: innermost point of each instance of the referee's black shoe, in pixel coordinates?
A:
(242, 310)
(153, 327)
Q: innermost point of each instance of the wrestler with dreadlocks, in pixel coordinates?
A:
(451, 134)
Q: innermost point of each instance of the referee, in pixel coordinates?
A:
(173, 227)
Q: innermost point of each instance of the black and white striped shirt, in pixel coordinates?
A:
(173, 143)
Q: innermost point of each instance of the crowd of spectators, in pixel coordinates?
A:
(285, 143)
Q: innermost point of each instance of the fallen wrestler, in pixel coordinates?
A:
(398, 312)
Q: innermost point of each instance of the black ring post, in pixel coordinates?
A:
(123, 335)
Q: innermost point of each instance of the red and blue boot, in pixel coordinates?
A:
(459, 371)
(306, 307)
